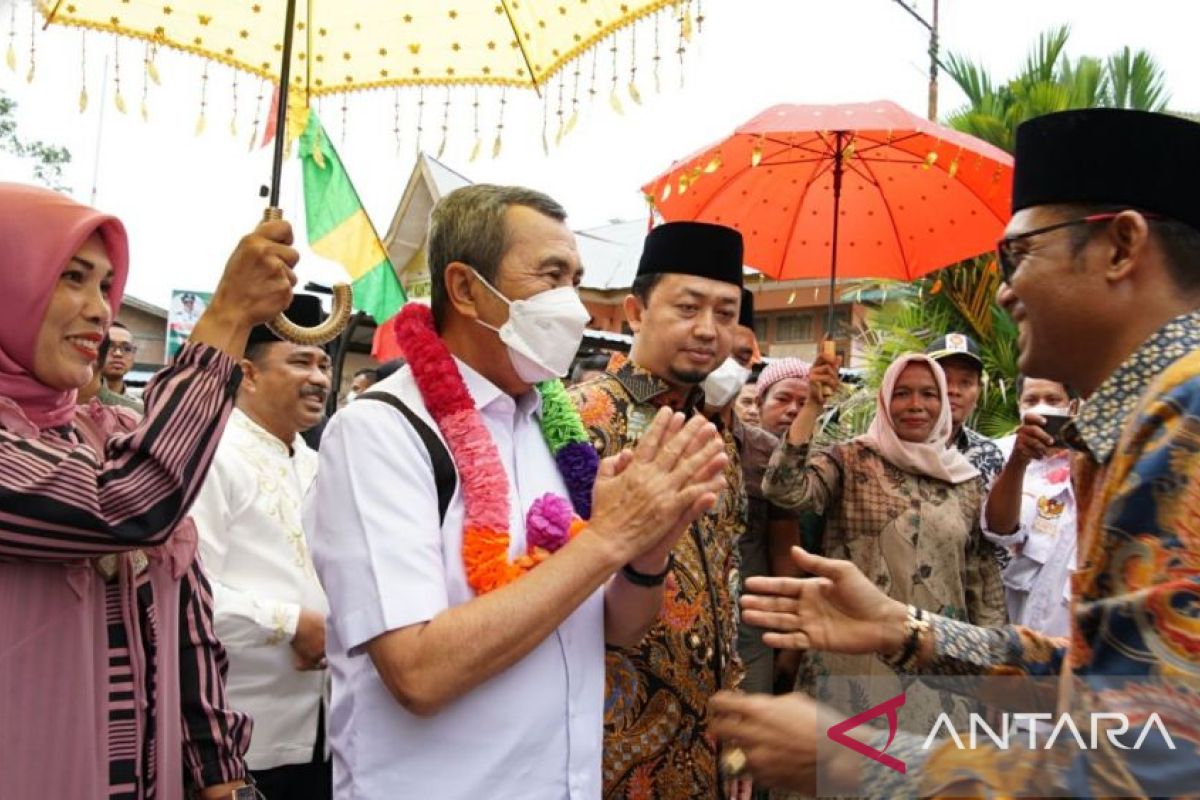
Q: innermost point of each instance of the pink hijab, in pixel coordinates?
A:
(39, 231)
(933, 458)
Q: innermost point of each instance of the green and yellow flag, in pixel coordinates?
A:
(339, 228)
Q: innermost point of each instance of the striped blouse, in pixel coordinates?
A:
(60, 502)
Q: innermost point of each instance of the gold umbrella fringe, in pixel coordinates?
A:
(680, 10)
(620, 39)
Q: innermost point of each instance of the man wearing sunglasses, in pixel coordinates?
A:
(1101, 265)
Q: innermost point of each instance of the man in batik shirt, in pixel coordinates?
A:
(683, 311)
(1102, 274)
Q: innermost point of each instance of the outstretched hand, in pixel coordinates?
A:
(838, 609)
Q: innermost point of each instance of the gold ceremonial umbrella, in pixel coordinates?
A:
(323, 47)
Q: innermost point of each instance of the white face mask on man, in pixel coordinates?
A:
(724, 382)
(543, 332)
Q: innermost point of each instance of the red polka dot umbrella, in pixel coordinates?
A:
(863, 190)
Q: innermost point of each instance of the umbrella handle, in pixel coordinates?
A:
(339, 315)
(829, 350)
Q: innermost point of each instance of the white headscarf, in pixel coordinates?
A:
(933, 458)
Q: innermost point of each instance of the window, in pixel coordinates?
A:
(842, 326)
(760, 328)
(794, 328)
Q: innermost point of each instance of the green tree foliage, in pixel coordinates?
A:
(962, 297)
(47, 160)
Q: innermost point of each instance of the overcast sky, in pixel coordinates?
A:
(187, 198)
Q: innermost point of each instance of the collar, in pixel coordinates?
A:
(242, 421)
(967, 439)
(646, 387)
(1097, 428)
(485, 393)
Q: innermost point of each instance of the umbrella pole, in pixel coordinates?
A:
(839, 151)
(281, 326)
(281, 113)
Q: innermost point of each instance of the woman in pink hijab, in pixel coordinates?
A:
(112, 678)
(903, 505)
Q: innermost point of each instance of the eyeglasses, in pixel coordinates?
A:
(1010, 261)
(123, 348)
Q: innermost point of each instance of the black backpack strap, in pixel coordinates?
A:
(445, 476)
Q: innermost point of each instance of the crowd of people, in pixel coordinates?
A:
(653, 581)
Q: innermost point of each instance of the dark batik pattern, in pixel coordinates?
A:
(656, 742)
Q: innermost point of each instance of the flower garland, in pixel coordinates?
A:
(551, 521)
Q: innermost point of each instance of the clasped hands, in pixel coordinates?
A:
(645, 497)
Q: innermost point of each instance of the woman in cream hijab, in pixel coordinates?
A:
(904, 507)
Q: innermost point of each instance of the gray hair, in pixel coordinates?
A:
(468, 225)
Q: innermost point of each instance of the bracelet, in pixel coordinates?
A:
(915, 627)
(648, 581)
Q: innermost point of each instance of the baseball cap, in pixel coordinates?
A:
(955, 344)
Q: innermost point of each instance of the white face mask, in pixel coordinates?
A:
(724, 382)
(543, 332)
(1045, 409)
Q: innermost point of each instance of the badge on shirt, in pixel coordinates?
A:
(1049, 509)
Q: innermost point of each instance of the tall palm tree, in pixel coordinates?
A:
(962, 297)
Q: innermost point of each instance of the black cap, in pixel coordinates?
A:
(955, 345)
(746, 314)
(305, 311)
(694, 248)
(1108, 156)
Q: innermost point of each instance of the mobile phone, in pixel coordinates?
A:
(1054, 425)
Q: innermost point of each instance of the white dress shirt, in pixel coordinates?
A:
(1038, 579)
(534, 731)
(254, 552)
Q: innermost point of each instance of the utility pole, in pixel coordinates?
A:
(934, 63)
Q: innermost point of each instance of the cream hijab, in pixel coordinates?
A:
(933, 458)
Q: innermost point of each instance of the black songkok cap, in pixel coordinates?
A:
(746, 314)
(1139, 159)
(305, 311)
(693, 248)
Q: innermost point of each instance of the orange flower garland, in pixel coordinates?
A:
(551, 521)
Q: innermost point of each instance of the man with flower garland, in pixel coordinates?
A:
(683, 311)
(470, 599)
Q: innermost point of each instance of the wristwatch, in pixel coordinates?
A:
(645, 580)
(247, 792)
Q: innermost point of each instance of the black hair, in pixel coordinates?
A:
(255, 351)
(1021, 377)
(644, 284)
(370, 372)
